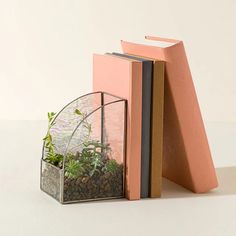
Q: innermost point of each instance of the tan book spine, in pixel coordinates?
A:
(157, 129)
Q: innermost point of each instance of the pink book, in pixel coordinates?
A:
(187, 158)
(123, 77)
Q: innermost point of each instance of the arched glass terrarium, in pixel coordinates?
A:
(84, 150)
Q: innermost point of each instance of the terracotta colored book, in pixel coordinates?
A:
(156, 128)
(186, 154)
(123, 77)
(147, 72)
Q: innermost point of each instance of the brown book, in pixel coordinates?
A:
(157, 128)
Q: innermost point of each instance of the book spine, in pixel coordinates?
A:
(134, 144)
(157, 129)
(146, 128)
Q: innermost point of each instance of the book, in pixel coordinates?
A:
(123, 77)
(157, 128)
(147, 67)
(186, 154)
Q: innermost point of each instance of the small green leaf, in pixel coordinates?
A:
(78, 112)
(74, 169)
(51, 116)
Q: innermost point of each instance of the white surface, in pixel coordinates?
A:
(46, 48)
(26, 211)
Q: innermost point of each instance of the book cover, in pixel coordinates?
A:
(187, 158)
(147, 69)
(123, 77)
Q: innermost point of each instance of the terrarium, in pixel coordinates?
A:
(83, 155)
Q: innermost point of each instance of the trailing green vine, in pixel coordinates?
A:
(51, 156)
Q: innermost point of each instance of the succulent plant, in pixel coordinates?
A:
(74, 169)
(111, 166)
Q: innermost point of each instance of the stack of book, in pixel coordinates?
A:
(165, 131)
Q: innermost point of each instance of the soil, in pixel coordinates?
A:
(100, 185)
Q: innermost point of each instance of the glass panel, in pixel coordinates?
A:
(66, 121)
(51, 177)
(84, 159)
(97, 157)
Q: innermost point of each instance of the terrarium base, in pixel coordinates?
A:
(100, 185)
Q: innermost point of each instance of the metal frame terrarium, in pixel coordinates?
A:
(83, 154)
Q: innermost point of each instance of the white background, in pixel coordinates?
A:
(46, 51)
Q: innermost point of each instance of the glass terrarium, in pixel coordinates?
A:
(84, 150)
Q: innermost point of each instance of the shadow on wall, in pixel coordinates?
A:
(227, 186)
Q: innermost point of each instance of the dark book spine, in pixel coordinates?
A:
(146, 128)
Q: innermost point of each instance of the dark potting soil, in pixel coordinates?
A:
(100, 185)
